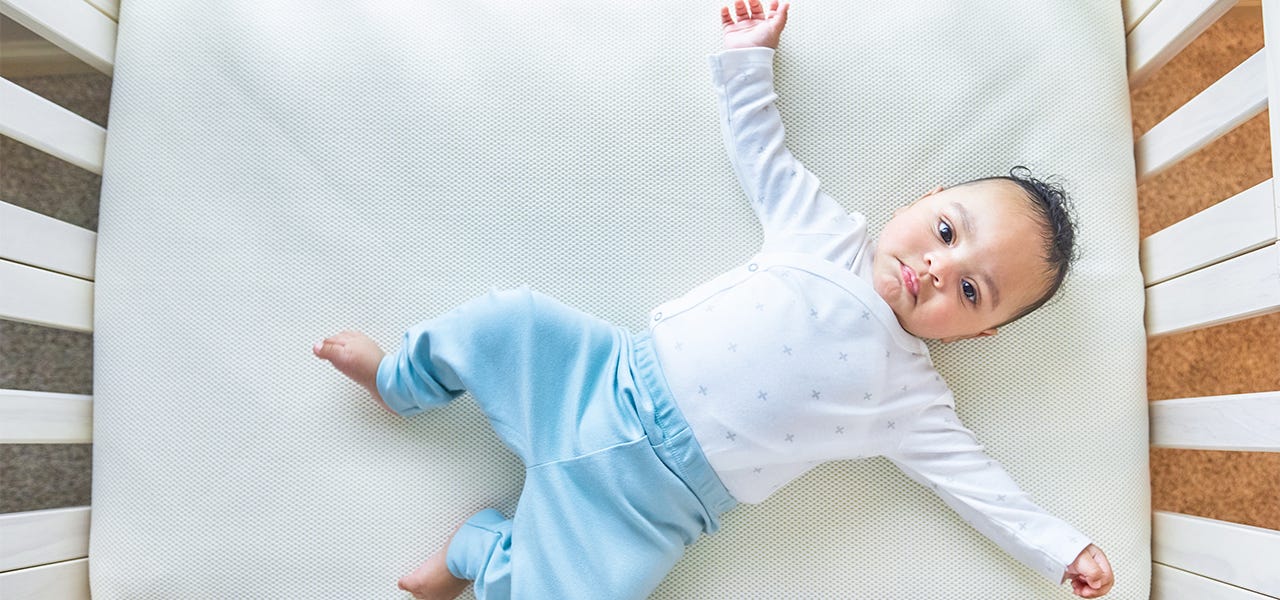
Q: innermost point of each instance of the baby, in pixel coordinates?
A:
(635, 444)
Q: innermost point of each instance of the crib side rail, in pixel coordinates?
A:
(46, 270)
(44, 554)
(1220, 265)
(1221, 551)
(1165, 29)
(46, 278)
(46, 267)
(41, 537)
(86, 30)
(1236, 422)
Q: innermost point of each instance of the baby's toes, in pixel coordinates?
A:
(329, 348)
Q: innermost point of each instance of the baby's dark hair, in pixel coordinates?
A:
(1053, 209)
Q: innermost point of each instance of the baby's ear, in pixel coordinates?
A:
(983, 333)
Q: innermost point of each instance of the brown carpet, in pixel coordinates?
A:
(1241, 357)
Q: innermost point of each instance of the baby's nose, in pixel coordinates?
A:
(936, 268)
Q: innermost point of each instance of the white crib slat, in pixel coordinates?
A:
(1229, 228)
(45, 418)
(1249, 422)
(32, 295)
(1166, 30)
(50, 128)
(1168, 583)
(1135, 11)
(1271, 39)
(1245, 286)
(111, 8)
(59, 581)
(1235, 98)
(39, 537)
(31, 238)
(73, 25)
(1240, 555)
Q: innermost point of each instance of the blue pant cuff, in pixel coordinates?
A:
(473, 545)
(386, 375)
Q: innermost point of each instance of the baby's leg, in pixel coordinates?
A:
(524, 357)
(609, 524)
(356, 356)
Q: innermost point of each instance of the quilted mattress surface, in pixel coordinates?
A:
(278, 171)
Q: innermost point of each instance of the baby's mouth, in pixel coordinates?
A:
(910, 281)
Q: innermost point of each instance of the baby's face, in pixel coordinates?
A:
(958, 262)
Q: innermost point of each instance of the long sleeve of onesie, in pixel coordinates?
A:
(942, 455)
(797, 216)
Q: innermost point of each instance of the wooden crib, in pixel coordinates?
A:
(1220, 265)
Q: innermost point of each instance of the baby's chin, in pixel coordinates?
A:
(891, 292)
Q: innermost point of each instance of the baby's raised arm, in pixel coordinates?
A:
(797, 216)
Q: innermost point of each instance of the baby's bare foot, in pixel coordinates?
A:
(356, 356)
(432, 579)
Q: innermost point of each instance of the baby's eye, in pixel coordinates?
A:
(970, 292)
(944, 230)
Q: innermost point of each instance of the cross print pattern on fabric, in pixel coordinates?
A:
(776, 388)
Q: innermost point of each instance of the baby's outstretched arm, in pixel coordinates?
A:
(938, 452)
(794, 211)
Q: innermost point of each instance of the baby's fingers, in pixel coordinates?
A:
(1083, 590)
(725, 18)
(1091, 578)
(1106, 577)
(1103, 563)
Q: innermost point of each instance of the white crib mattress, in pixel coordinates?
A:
(278, 171)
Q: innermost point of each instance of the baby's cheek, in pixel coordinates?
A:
(940, 321)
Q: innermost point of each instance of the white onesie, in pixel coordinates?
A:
(792, 359)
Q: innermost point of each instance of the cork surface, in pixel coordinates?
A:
(1236, 358)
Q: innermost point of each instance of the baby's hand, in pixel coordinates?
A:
(1090, 574)
(754, 28)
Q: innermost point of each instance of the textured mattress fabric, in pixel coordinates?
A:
(278, 171)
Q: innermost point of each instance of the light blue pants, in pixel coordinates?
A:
(615, 484)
